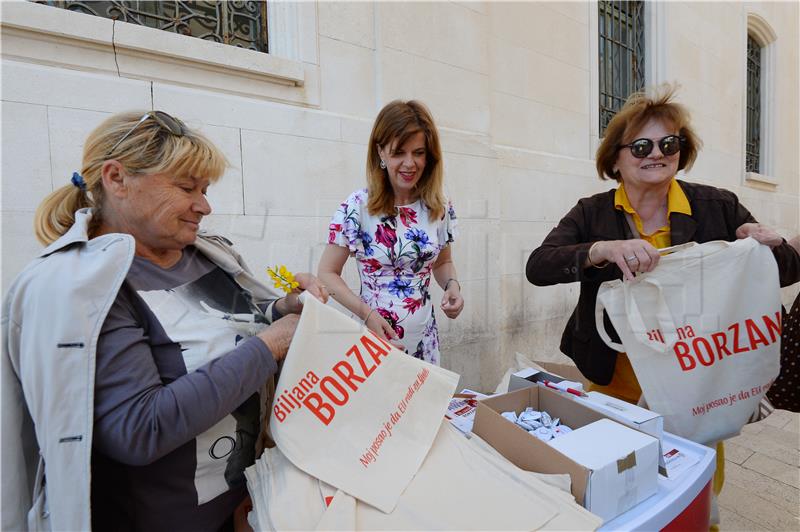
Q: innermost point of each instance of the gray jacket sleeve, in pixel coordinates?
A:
(138, 417)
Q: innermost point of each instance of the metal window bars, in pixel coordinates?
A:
(753, 135)
(621, 55)
(237, 23)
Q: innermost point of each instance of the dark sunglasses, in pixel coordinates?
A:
(171, 124)
(669, 145)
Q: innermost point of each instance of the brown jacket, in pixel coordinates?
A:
(716, 214)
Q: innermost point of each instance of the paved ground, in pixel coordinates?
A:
(762, 476)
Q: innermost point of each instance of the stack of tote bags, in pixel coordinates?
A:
(362, 445)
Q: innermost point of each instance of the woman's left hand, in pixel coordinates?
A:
(761, 233)
(452, 302)
(309, 283)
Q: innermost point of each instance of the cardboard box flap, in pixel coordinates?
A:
(567, 371)
(515, 444)
(635, 414)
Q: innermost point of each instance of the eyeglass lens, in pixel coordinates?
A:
(173, 125)
(669, 145)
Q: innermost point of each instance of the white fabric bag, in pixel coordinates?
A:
(702, 332)
(353, 411)
(464, 484)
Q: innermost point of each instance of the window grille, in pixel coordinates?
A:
(621, 55)
(238, 23)
(753, 142)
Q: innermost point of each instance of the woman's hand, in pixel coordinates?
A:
(761, 233)
(630, 255)
(452, 302)
(311, 284)
(377, 324)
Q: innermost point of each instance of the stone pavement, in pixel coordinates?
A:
(762, 476)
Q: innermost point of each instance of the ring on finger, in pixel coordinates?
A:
(632, 257)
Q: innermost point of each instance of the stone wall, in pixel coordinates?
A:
(513, 87)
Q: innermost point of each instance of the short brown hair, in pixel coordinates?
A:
(637, 111)
(397, 122)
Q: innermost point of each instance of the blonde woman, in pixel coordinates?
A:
(137, 348)
(400, 230)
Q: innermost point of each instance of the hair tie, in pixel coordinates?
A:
(77, 180)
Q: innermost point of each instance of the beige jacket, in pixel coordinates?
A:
(52, 316)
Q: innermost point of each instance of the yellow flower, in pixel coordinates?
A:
(283, 278)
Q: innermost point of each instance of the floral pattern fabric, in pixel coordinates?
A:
(395, 256)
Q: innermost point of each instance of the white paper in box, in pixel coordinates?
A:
(623, 463)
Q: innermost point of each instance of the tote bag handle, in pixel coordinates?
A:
(598, 317)
(635, 319)
(664, 316)
(666, 323)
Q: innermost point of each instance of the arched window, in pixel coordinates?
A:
(759, 99)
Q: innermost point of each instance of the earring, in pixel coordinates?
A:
(383, 164)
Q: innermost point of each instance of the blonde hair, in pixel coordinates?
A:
(148, 149)
(396, 123)
(639, 109)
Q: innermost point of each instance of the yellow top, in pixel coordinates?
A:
(676, 202)
(624, 384)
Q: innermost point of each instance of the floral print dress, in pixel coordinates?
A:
(395, 256)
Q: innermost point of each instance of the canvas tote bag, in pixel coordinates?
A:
(353, 411)
(702, 332)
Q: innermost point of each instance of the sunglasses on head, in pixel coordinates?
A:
(669, 145)
(165, 121)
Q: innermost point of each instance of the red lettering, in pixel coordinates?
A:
(292, 399)
(721, 343)
(321, 409)
(329, 382)
(383, 342)
(699, 352)
(736, 347)
(374, 349)
(279, 414)
(347, 374)
(367, 371)
(773, 327)
(755, 334)
(682, 352)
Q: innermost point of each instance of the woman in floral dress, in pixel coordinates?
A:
(399, 230)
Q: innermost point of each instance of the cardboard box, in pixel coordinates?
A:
(604, 489)
(630, 415)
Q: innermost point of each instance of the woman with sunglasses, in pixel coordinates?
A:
(138, 349)
(617, 233)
